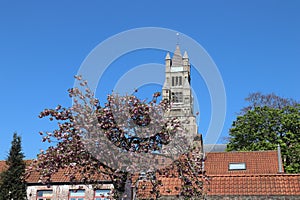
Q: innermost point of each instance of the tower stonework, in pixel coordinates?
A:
(177, 90)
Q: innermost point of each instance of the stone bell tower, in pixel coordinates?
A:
(177, 90)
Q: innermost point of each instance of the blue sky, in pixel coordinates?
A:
(255, 45)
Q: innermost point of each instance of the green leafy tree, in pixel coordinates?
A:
(12, 184)
(269, 120)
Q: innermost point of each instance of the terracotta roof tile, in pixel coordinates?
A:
(257, 162)
(144, 189)
(168, 187)
(255, 184)
(58, 177)
(61, 177)
(260, 177)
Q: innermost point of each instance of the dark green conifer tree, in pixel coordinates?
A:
(12, 185)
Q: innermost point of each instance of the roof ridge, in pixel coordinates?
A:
(251, 175)
(243, 151)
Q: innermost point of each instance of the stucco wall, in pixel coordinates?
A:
(61, 192)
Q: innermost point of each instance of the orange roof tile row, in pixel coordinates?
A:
(58, 177)
(61, 177)
(250, 184)
(266, 184)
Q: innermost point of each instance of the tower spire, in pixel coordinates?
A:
(177, 57)
(177, 34)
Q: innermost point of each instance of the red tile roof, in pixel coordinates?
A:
(168, 183)
(261, 176)
(255, 184)
(144, 190)
(257, 162)
(168, 187)
(61, 177)
(58, 177)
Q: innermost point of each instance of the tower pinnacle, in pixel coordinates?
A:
(177, 57)
(168, 57)
(185, 55)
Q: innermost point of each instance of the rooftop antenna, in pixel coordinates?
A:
(177, 34)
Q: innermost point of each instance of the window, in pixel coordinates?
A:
(76, 195)
(102, 194)
(177, 97)
(44, 194)
(237, 166)
(176, 80)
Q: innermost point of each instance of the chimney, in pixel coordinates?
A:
(280, 169)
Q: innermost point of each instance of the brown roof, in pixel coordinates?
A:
(168, 187)
(257, 162)
(2, 165)
(58, 177)
(62, 177)
(265, 184)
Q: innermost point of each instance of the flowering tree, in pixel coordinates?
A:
(119, 139)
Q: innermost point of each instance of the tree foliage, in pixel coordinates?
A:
(268, 121)
(12, 185)
(118, 140)
(258, 99)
